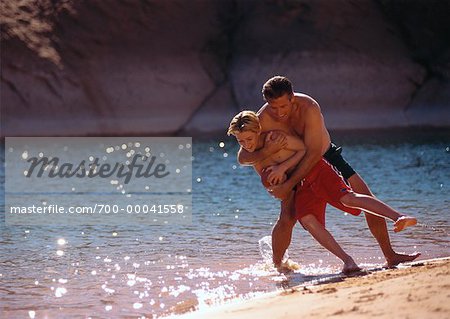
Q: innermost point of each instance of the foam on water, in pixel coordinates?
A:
(265, 249)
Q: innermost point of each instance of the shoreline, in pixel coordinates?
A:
(413, 290)
(362, 133)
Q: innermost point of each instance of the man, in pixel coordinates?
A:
(298, 114)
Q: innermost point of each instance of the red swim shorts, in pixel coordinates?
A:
(322, 185)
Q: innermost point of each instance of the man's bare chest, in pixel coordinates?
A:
(286, 127)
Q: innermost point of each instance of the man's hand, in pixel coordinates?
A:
(280, 191)
(277, 174)
(275, 141)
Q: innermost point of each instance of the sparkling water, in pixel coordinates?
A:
(123, 271)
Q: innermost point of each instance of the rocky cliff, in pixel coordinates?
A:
(118, 67)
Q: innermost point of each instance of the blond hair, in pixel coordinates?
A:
(244, 121)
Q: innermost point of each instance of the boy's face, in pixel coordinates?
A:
(248, 140)
(280, 108)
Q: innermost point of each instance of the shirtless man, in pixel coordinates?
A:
(298, 114)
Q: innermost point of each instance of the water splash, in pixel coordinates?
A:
(265, 249)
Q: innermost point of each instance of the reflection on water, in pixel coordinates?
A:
(120, 271)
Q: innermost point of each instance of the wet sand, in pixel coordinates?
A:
(416, 290)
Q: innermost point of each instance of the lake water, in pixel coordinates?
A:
(151, 271)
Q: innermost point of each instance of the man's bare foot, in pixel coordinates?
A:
(401, 258)
(350, 267)
(403, 222)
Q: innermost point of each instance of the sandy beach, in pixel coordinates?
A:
(416, 290)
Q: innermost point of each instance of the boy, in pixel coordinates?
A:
(322, 185)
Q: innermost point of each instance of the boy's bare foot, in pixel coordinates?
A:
(350, 267)
(403, 222)
(287, 267)
(401, 258)
(283, 269)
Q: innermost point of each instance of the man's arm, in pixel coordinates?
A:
(313, 137)
(292, 161)
(277, 171)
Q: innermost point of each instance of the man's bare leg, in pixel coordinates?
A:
(378, 228)
(282, 231)
(319, 232)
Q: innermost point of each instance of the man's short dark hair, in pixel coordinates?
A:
(277, 87)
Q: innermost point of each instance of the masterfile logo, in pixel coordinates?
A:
(96, 180)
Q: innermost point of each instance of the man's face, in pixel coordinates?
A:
(280, 108)
(248, 140)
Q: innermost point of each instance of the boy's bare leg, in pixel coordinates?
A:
(378, 228)
(282, 231)
(377, 207)
(404, 222)
(319, 232)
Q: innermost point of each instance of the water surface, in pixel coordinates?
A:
(150, 271)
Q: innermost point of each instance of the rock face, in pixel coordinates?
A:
(118, 67)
